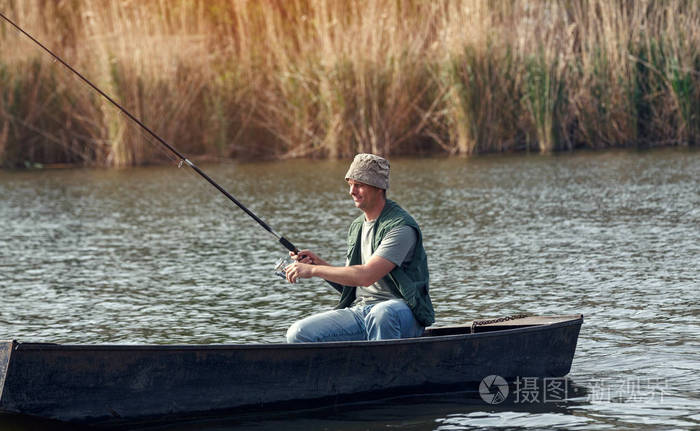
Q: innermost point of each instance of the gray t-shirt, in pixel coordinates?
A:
(397, 246)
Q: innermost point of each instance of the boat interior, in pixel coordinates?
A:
(497, 324)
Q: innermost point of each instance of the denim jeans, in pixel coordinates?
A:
(381, 321)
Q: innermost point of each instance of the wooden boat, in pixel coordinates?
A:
(117, 384)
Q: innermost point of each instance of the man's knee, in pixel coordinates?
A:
(386, 311)
(392, 319)
(334, 325)
(383, 322)
(297, 334)
(310, 329)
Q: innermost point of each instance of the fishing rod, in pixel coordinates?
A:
(282, 240)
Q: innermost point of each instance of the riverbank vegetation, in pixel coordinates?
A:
(325, 78)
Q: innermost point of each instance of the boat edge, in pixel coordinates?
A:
(6, 347)
(576, 319)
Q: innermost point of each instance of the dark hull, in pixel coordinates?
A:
(122, 383)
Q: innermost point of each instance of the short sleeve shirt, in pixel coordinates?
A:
(397, 247)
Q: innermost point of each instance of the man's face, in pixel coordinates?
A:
(364, 195)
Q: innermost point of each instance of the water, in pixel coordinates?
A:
(155, 255)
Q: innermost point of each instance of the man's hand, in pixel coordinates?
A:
(307, 256)
(297, 270)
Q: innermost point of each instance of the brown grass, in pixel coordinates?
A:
(325, 78)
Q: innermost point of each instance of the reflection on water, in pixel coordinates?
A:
(154, 255)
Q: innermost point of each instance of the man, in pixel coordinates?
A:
(384, 285)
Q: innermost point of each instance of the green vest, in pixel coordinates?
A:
(408, 281)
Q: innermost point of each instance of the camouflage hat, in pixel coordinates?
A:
(369, 169)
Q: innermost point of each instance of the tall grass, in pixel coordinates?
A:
(325, 78)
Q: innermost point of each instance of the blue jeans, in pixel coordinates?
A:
(381, 321)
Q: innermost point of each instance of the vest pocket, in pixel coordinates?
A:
(351, 250)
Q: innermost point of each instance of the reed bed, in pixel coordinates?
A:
(326, 78)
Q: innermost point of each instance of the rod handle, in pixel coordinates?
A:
(291, 247)
(288, 245)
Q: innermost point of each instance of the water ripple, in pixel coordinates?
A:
(149, 255)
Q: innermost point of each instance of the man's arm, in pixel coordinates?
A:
(397, 244)
(355, 275)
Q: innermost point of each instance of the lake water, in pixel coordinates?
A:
(156, 255)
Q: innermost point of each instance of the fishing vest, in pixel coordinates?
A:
(409, 280)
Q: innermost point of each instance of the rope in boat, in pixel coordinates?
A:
(497, 320)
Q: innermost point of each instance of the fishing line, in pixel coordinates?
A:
(182, 160)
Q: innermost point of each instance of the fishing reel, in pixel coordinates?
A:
(282, 263)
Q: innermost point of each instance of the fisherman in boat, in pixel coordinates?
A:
(384, 285)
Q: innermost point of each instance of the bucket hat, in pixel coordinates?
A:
(369, 169)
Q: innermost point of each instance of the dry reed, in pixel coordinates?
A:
(325, 78)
